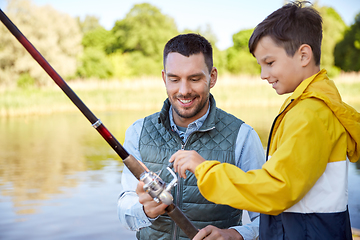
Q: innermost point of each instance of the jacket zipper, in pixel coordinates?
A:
(272, 128)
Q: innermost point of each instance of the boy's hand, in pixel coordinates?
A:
(186, 160)
(152, 209)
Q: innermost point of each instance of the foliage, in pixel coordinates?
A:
(97, 38)
(133, 47)
(239, 59)
(94, 63)
(333, 30)
(44, 28)
(25, 81)
(347, 51)
(144, 29)
(143, 33)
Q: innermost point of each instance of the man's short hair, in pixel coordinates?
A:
(291, 26)
(190, 44)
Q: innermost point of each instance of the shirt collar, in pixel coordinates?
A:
(195, 124)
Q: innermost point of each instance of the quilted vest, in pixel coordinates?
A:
(216, 139)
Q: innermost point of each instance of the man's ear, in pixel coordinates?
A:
(163, 74)
(213, 77)
(306, 54)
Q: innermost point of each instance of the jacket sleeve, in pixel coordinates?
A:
(301, 156)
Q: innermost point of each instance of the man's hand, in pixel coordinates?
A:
(186, 160)
(211, 232)
(152, 209)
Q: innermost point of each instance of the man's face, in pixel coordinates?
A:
(188, 82)
(283, 72)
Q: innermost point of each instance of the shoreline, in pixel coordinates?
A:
(149, 93)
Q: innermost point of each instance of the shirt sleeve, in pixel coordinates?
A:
(249, 155)
(130, 211)
(299, 160)
(250, 231)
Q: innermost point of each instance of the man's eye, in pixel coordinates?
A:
(195, 79)
(173, 79)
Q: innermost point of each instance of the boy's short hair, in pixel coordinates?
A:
(291, 26)
(189, 44)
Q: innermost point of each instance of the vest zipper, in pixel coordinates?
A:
(179, 183)
(178, 193)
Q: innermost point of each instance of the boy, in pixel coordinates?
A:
(301, 190)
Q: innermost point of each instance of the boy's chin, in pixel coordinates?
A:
(281, 92)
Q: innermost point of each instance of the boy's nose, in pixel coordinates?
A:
(264, 75)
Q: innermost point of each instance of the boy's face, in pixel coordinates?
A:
(283, 72)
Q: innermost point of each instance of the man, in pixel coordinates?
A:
(189, 120)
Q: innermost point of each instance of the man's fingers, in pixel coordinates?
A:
(140, 188)
(203, 233)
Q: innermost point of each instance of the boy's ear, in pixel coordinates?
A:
(306, 54)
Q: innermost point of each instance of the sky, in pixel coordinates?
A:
(225, 17)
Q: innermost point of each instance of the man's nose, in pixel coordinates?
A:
(185, 87)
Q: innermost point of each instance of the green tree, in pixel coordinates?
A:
(56, 36)
(94, 63)
(143, 32)
(98, 38)
(347, 51)
(333, 31)
(239, 59)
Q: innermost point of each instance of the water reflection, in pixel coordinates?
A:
(39, 155)
(59, 179)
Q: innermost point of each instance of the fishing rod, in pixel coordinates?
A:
(154, 185)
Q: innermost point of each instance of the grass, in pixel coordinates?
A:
(231, 92)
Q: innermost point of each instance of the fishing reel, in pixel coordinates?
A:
(157, 188)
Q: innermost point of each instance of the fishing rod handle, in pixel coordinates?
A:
(134, 166)
(181, 220)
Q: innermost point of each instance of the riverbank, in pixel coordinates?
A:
(149, 93)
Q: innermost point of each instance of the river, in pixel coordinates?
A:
(60, 180)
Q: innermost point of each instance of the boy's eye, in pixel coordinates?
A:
(270, 63)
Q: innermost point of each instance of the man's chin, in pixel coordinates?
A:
(184, 113)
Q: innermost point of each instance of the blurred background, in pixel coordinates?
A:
(124, 39)
(58, 178)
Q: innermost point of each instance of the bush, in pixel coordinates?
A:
(25, 81)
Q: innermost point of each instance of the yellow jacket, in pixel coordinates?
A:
(310, 143)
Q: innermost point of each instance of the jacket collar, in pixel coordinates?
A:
(299, 91)
(319, 86)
